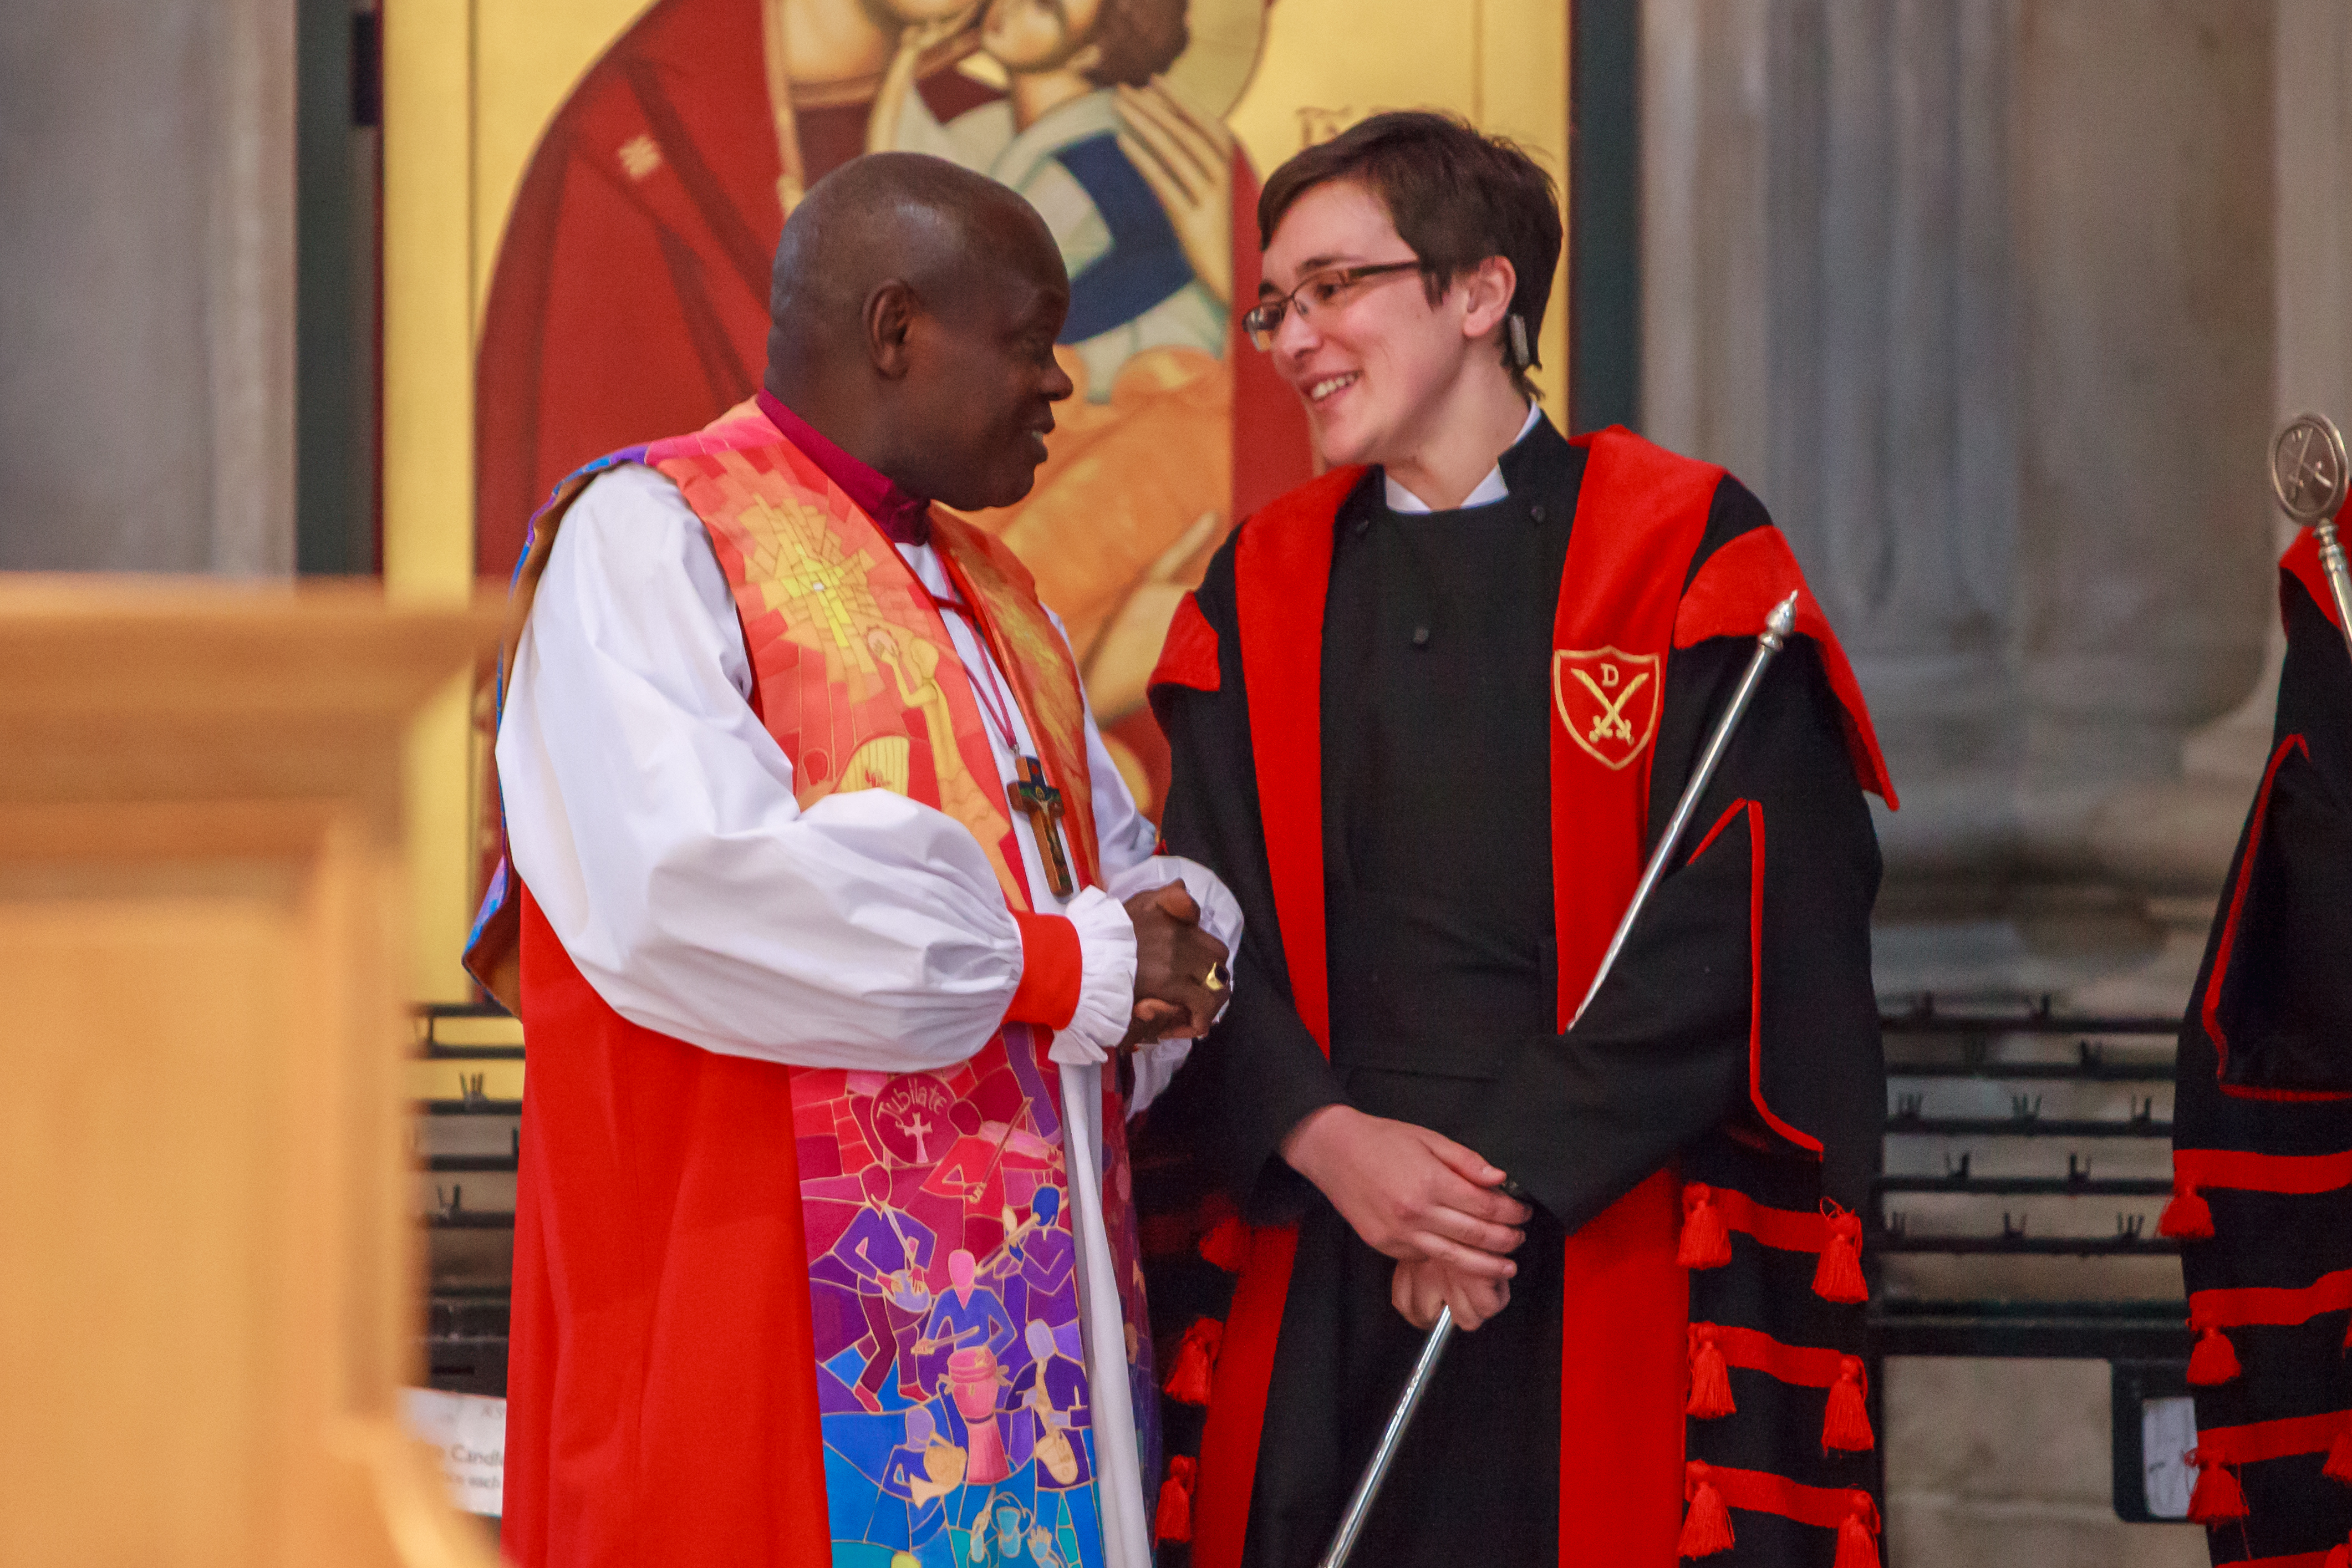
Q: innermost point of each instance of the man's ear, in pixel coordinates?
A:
(890, 320)
(1486, 292)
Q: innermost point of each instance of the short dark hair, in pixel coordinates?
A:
(1137, 39)
(1456, 195)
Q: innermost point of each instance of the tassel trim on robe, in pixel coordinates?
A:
(1712, 1491)
(1711, 1214)
(2215, 1360)
(1718, 1347)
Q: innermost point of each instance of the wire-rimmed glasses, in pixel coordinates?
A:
(1324, 289)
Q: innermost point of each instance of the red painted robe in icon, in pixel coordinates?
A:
(630, 294)
(751, 1300)
(631, 291)
(1428, 752)
(2263, 1130)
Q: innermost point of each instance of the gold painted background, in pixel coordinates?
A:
(470, 87)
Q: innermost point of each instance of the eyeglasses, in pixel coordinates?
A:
(1326, 290)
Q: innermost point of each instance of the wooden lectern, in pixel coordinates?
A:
(208, 1276)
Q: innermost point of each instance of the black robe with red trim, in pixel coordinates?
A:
(1444, 856)
(2263, 1130)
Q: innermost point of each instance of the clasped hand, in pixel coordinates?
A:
(1422, 1199)
(1173, 960)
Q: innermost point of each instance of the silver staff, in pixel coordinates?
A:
(2309, 476)
(1777, 627)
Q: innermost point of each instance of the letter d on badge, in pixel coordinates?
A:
(1609, 699)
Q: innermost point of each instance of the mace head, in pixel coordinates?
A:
(2309, 473)
(1783, 618)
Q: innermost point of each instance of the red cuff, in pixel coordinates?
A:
(1052, 966)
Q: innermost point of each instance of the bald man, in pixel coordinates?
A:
(826, 912)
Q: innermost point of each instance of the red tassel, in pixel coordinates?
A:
(1858, 1535)
(1838, 1276)
(1227, 1245)
(2339, 1456)
(2218, 1498)
(2215, 1359)
(2188, 1217)
(1710, 1380)
(1173, 1522)
(1188, 1381)
(1707, 1528)
(1705, 1242)
(1845, 1423)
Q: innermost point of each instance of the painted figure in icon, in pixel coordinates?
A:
(658, 189)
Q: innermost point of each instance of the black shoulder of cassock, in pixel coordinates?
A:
(1744, 992)
(1232, 1107)
(2262, 1133)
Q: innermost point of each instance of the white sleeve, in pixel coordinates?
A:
(652, 818)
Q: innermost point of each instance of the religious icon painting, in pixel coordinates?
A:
(1609, 699)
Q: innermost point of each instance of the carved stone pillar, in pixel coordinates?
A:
(147, 315)
(1829, 304)
(2145, 262)
(2173, 842)
(1975, 294)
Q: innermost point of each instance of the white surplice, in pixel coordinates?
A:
(652, 819)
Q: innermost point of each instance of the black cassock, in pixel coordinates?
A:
(1439, 897)
(2263, 1129)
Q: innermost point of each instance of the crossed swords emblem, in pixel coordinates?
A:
(2308, 470)
(1609, 723)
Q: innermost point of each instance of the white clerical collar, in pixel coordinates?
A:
(1489, 489)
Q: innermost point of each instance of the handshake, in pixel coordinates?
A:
(1180, 975)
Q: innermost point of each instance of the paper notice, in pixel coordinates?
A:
(2167, 1430)
(469, 1433)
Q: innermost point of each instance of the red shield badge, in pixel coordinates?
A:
(1608, 700)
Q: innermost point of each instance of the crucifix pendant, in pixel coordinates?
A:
(1041, 802)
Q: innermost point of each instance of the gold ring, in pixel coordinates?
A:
(1213, 980)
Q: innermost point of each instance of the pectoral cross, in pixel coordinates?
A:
(1042, 802)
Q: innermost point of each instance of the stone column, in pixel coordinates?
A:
(2172, 842)
(1828, 309)
(147, 285)
(2144, 255)
(1975, 294)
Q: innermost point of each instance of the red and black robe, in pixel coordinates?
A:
(2263, 1131)
(1428, 753)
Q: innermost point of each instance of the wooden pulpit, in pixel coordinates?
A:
(209, 1247)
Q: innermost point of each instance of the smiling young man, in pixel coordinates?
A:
(1427, 712)
(814, 919)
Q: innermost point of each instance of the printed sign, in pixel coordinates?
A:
(469, 1433)
(2167, 1430)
